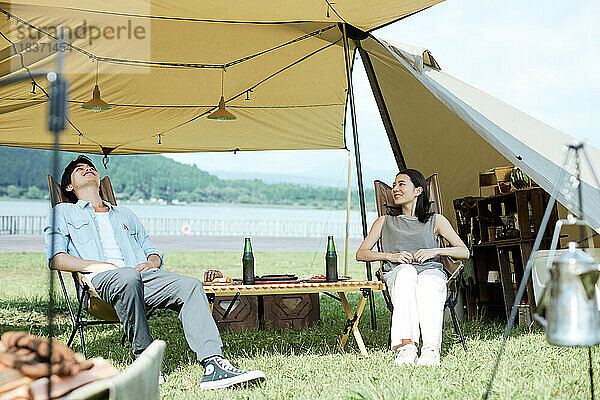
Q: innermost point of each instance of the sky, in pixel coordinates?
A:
(538, 56)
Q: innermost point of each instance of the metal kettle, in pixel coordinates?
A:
(572, 316)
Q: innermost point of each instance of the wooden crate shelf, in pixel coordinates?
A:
(509, 249)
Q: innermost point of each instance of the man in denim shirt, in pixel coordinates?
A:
(111, 247)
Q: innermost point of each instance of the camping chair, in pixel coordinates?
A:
(385, 206)
(86, 293)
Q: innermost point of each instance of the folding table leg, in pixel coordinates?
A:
(352, 323)
(211, 300)
(231, 304)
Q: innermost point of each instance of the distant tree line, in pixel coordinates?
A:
(145, 177)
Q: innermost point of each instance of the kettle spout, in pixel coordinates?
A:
(588, 280)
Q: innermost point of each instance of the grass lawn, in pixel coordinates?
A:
(303, 364)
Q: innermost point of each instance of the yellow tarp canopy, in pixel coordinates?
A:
(162, 66)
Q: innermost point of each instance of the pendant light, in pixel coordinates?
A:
(221, 114)
(96, 104)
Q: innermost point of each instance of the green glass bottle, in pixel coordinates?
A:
(331, 272)
(248, 263)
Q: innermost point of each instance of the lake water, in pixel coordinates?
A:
(219, 212)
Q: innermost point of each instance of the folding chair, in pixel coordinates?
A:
(86, 293)
(138, 381)
(454, 268)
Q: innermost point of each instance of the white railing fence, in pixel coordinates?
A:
(26, 225)
(21, 225)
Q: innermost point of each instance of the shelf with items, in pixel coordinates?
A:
(514, 215)
(500, 231)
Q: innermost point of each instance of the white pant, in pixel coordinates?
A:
(418, 301)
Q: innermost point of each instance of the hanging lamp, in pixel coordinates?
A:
(221, 114)
(96, 104)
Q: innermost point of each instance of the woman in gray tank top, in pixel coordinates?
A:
(412, 269)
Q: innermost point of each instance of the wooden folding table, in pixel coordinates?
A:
(341, 288)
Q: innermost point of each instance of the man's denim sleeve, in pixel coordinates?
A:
(55, 236)
(143, 239)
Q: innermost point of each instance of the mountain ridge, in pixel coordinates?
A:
(136, 177)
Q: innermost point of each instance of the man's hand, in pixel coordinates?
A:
(423, 255)
(404, 257)
(145, 266)
(212, 274)
(154, 262)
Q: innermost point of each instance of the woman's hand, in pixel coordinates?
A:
(423, 255)
(404, 257)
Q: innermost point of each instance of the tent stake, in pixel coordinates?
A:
(361, 192)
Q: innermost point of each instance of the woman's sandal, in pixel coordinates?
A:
(430, 357)
(407, 355)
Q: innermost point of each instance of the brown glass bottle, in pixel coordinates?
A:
(331, 272)
(248, 263)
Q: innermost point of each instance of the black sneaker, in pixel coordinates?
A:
(219, 373)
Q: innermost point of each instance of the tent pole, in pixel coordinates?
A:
(348, 199)
(361, 192)
(383, 111)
